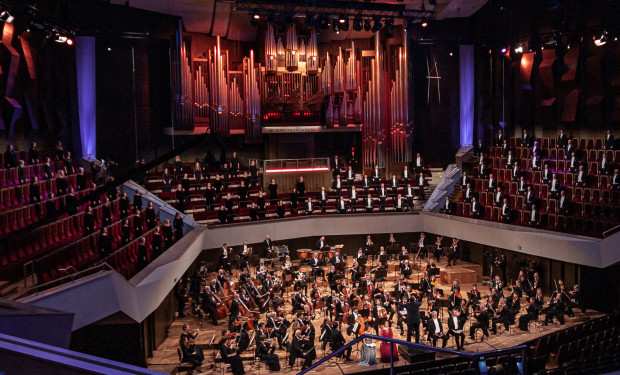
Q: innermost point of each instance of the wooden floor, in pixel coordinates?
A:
(165, 358)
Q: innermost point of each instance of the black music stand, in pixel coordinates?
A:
(340, 266)
(403, 257)
(362, 261)
(326, 248)
(433, 272)
(393, 248)
(407, 273)
(380, 275)
(441, 303)
(384, 258)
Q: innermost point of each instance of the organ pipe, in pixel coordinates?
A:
(251, 95)
(184, 112)
(400, 130)
(271, 60)
(292, 48)
(201, 90)
(327, 76)
(302, 51)
(339, 73)
(312, 55)
(281, 53)
(373, 135)
(218, 67)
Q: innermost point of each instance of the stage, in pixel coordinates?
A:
(165, 358)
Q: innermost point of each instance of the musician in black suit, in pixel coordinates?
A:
(491, 184)
(365, 184)
(503, 317)
(376, 175)
(530, 198)
(498, 197)
(342, 206)
(609, 140)
(476, 209)
(499, 138)
(526, 140)
(532, 314)
(534, 218)
(562, 139)
(338, 185)
(505, 148)
(469, 193)
(479, 148)
(482, 323)
(382, 192)
(350, 176)
(337, 166)
(368, 204)
(406, 175)
(309, 207)
(264, 351)
(563, 203)
(298, 351)
(353, 196)
(230, 355)
(421, 183)
(266, 246)
(435, 330)
(546, 174)
(320, 243)
(506, 211)
(515, 171)
(604, 166)
(323, 199)
(418, 163)
(455, 329)
(337, 341)
(448, 206)
(413, 319)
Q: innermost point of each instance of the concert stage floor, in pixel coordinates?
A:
(165, 358)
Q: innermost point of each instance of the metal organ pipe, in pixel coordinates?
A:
(312, 55)
(271, 59)
(292, 48)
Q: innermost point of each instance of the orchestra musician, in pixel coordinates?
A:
(300, 349)
(454, 253)
(337, 341)
(435, 330)
(230, 354)
(264, 351)
(437, 248)
(455, 328)
(317, 270)
(422, 251)
(532, 314)
(555, 310)
(413, 319)
(482, 323)
(503, 317)
(224, 252)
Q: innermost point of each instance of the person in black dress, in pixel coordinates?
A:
(157, 244)
(198, 173)
(168, 234)
(68, 162)
(185, 183)
(177, 167)
(178, 226)
(209, 195)
(89, 221)
(10, 157)
(125, 232)
(106, 213)
(242, 192)
(123, 205)
(105, 244)
(281, 209)
(230, 355)
(137, 224)
(137, 200)
(260, 202)
(143, 256)
(151, 218)
(33, 153)
(273, 191)
(35, 190)
(61, 183)
(301, 187)
(167, 180)
(80, 180)
(180, 195)
(264, 351)
(21, 173)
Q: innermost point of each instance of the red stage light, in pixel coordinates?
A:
(70, 42)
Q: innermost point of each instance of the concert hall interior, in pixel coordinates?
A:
(412, 187)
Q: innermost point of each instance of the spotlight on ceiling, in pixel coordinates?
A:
(357, 23)
(424, 23)
(503, 49)
(6, 17)
(377, 26)
(254, 20)
(602, 40)
(367, 25)
(519, 49)
(69, 41)
(256, 16)
(342, 18)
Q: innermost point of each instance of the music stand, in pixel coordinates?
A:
(362, 261)
(393, 248)
(406, 273)
(433, 272)
(384, 258)
(380, 275)
(340, 266)
(441, 303)
(403, 257)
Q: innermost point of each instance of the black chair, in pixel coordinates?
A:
(184, 366)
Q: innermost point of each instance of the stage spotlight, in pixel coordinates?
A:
(254, 20)
(357, 24)
(367, 25)
(503, 49)
(342, 18)
(602, 40)
(6, 17)
(424, 24)
(519, 49)
(377, 26)
(69, 41)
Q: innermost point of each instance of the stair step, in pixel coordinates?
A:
(9, 289)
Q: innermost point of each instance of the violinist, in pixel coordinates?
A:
(336, 259)
(275, 328)
(539, 300)
(535, 285)
(379, 315)
(230, 354)
(326, 332)
(502, 317)
(401, 314)
(455, 295)
(264, 351)
(422, 251)
(337, 341)
(299, 301)
(336, 307)
(300, 349)
(300, 283)
(431, 266)
(190, 355)
(243, 338)
(495, 299)
(498, 286)
(454, 255)
(475, 291)
(576, 301)
(438, 249)
(352, 319)
(405, 268)
(403, 252)
(463, 312)
(517, 288)
(262, 270)
(386, 301)
(514, 304)
(425, 285)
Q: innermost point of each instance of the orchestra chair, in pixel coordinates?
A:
(187, 367)
(256, 364)
(298, 361)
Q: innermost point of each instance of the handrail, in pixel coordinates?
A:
(277, 165)
(498, 352)
(77, 275)
(611, 231)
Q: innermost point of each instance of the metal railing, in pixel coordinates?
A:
(521, 349)
(611, 231)
(68, 278)
(296, 165)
